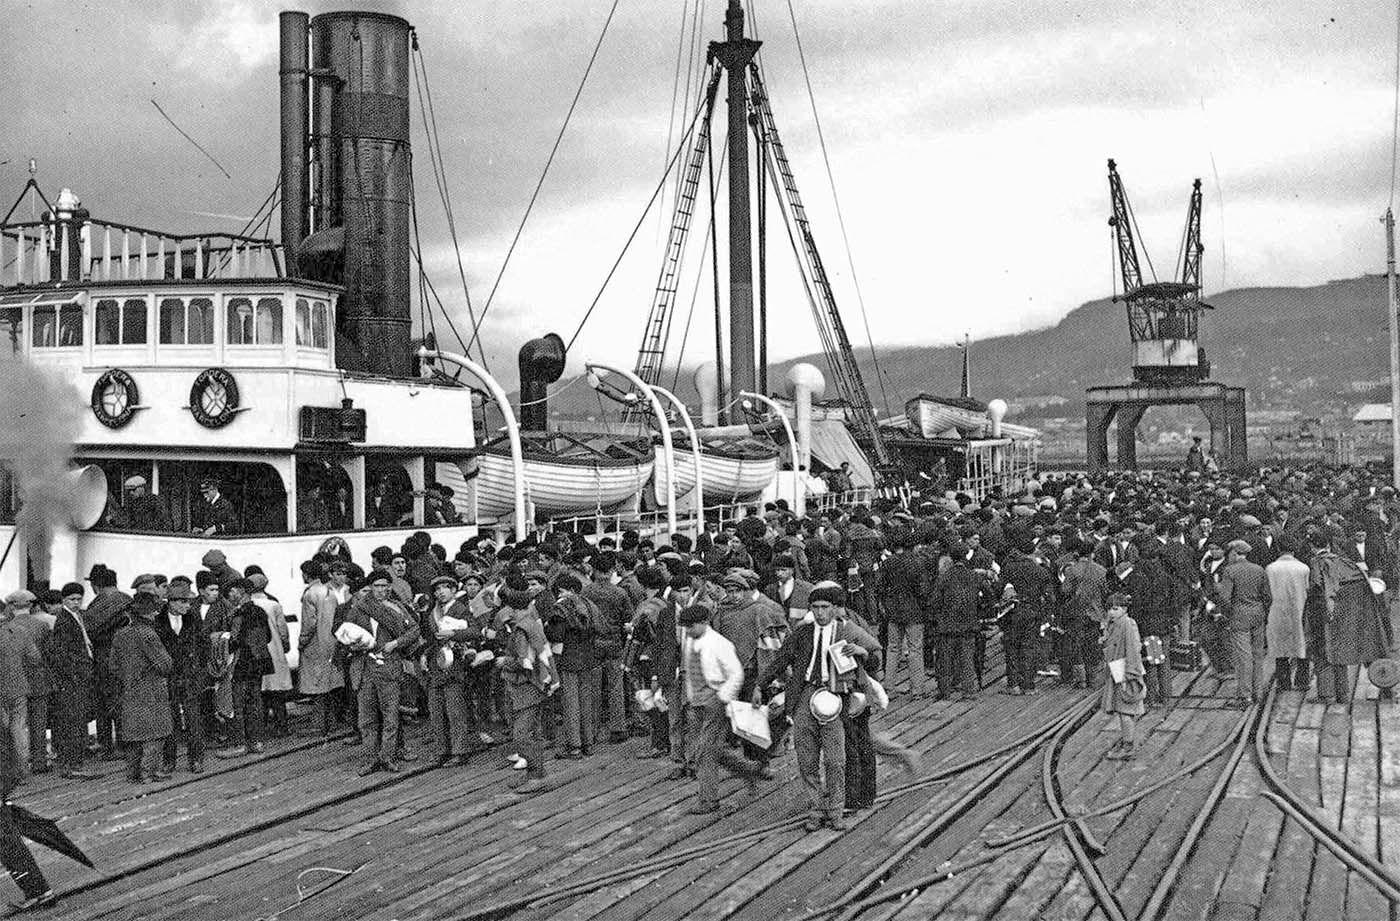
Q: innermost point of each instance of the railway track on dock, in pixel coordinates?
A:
(887, 896)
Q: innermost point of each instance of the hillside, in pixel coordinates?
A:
(1305, 349)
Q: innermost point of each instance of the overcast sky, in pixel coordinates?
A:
(967, 139)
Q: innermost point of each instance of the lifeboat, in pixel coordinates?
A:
(734, 467)
(932, 416)
(563, 473)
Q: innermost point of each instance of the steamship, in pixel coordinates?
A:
(282, 372)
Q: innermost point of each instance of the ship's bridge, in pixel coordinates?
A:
(201, 359)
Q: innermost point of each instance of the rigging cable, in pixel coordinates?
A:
(545, 172)
(1395, 116)
(840, 219)
(675, 93)
(1220, 200)
(714, 268)
(1132, 219)
(670, 165)
(694, 297)
(440, 171)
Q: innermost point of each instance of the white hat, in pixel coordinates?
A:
(132, 482)
(825, 706)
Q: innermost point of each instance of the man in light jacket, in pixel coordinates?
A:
(1288, 584)
(711, 677)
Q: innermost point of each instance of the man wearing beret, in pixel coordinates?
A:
(806, 656)
(710, 677)
(376, 672)
(1245, 599)
(186, 641)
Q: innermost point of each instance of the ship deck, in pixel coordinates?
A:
(295, 833)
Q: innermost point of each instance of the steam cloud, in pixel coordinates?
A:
(40, 417)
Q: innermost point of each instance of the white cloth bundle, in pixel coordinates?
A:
(354, 636)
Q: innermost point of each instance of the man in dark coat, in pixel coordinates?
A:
(72, 672)
(805, 657)
(906, 598)
(102, 618)
(1032, 591)
(956, 599)
(214, 513)
(249, 636)
(145, 511)
(185, 639)
(1084, 591)
(142, 667)
(1245, 598)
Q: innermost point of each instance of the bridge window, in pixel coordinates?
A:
(120, 323)
(312, 321)
(254, 324)
(11, 330)
(58, 326)
(187, 321)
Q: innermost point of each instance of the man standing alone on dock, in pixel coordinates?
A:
(1245, 599)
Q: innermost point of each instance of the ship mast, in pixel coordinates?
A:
(734, 55)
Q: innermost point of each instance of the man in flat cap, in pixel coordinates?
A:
(1245, 598)
(32, 620)
(187, 642)
(144, 511)
(19, 653)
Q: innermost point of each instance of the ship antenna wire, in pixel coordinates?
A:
(545, 172)
(1395, 115)
(440, 173)
(840, 218)
(670, 165)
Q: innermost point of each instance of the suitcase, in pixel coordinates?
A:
(1186, 656)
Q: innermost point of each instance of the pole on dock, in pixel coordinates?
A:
(1389, 222)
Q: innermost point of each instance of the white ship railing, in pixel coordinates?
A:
(31, 253)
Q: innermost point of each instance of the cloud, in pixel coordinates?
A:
(224, 41)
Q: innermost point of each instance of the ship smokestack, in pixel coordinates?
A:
(362, 183)
(541, 364)
(293, 64)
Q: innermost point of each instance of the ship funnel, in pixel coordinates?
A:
(294, 61)
(707, 385)
(996, 411)
(541, 364)
(358, 178)
(807, 384)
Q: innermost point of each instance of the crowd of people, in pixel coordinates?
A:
(566, 643)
